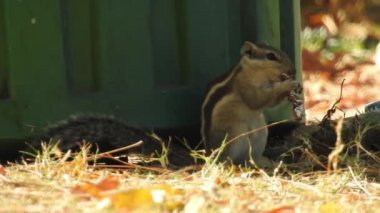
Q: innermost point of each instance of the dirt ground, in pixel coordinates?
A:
(322, 88)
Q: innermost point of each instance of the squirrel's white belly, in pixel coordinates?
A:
(232, 118)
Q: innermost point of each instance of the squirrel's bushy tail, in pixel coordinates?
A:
(106, 133)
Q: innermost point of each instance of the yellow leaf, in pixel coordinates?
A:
(133, 199)
(161, 196)
(329, 207)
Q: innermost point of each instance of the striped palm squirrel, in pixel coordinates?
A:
(235, 101)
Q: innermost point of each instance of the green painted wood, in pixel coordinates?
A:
(34, 62)
(261, 21)
(165, 43)
(4, 93)
(79, 24)
(208, 35)
(147, 62)
(290, 27)
(289, 31)
(9, 119)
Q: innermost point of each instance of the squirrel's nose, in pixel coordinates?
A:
(292, 73)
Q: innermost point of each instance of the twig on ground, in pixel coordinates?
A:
(103, 154)
(314, 158)
(333, 158)
(126, 165)
(255, 130)
(357, 182)
(333, 108)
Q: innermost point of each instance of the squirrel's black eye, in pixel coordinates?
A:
(271, 56)
(249, 53)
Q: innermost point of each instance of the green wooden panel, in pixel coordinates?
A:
(289, 30)
(34, 61)
(79, 23)
(129, 41)
(261, 20)
(4, 92)
(145, 61)
(166, 43)
(35, 56)
(8, 112)
(208, 39)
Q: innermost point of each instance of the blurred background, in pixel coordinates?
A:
(340, 40)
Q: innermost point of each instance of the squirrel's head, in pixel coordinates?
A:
(267, 59)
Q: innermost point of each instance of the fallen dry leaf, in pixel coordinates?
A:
(108, 183)
(95, 189)
(283, 209)
(2, 170)
(218, 181)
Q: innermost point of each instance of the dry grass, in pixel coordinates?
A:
(52, 183)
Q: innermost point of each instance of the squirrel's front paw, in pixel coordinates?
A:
(288, 85)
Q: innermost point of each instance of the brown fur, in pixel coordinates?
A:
(234, 105)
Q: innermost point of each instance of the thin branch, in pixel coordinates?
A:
(315, 158)
(333, 108)
(357, 182)
(255, 130)
(103, 154)
(127, 165)
(333, 158)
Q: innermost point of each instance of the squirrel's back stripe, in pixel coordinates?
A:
(216, 90)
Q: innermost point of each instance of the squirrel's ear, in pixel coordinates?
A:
(248, 49)
(263, 43)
